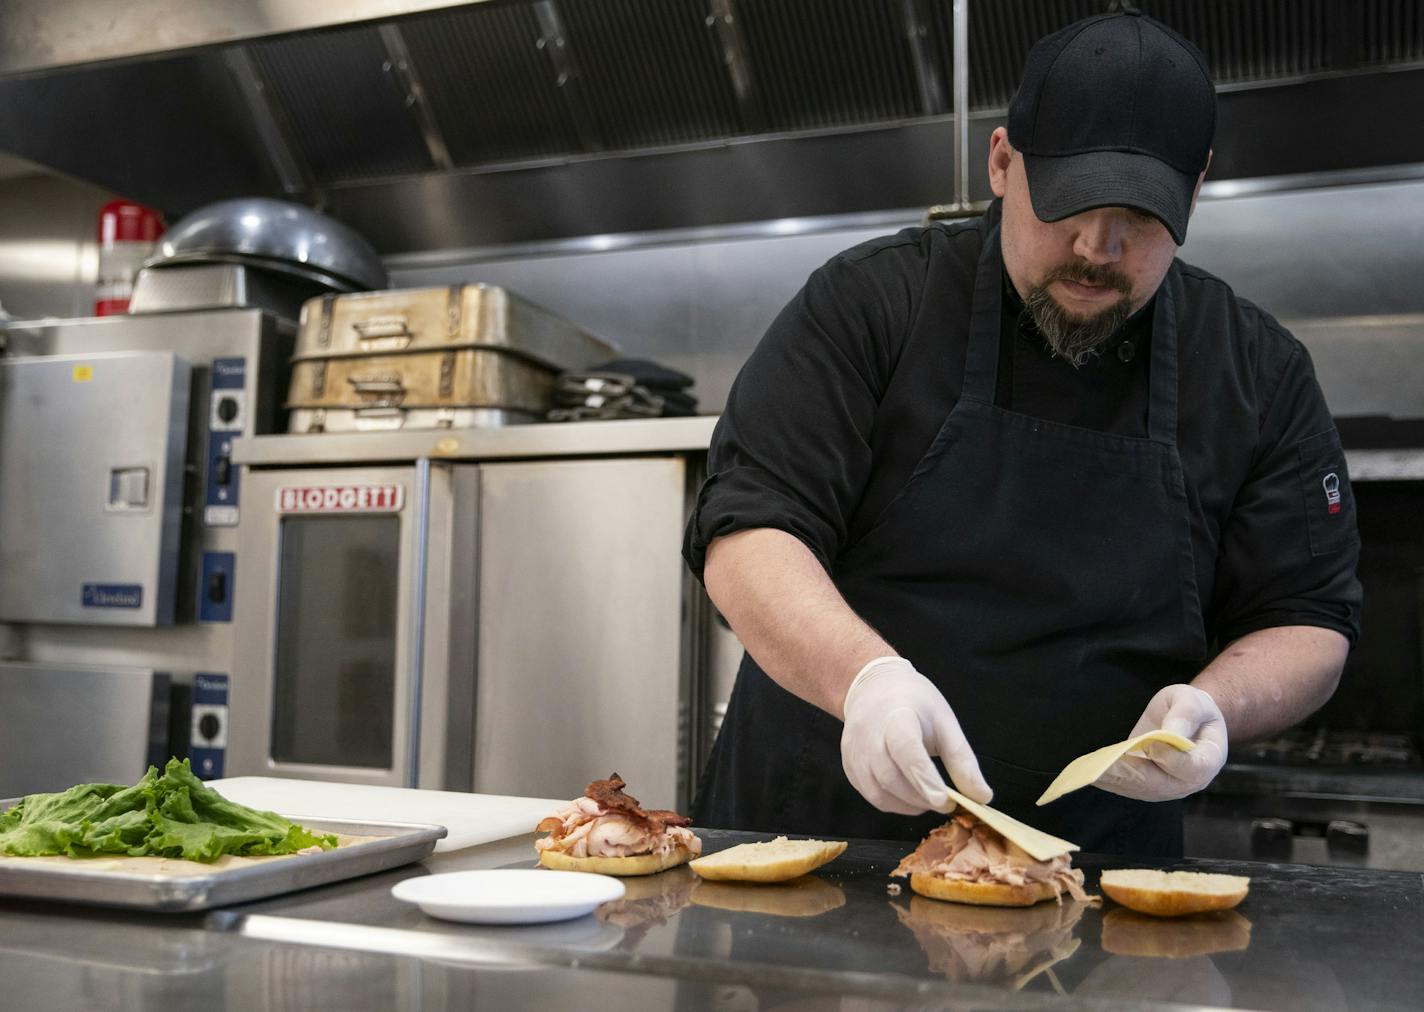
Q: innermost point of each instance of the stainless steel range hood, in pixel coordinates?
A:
(431, 125)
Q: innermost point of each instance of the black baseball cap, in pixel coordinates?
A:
(1114, 111)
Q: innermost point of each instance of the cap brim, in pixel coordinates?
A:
(1064, 185)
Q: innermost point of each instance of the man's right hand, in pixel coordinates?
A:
(895, 719)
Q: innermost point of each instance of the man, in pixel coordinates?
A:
(1006, 490)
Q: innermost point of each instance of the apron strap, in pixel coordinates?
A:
(981, 359)
(1162, 385)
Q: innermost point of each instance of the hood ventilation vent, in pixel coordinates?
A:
(626, 110)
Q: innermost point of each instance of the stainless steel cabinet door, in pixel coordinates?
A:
(91, 486)
(580, 672)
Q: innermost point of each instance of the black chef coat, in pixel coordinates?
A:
(844, 394)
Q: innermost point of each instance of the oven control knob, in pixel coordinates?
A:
(209, 726)
(1341, 834)
(1271, 837)
(227, 408)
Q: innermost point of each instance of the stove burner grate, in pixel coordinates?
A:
(1324, 747)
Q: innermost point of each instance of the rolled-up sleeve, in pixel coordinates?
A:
(792, 448)
(1290, 547)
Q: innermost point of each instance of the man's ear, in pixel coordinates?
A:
(1197, 190)
(1001, 153)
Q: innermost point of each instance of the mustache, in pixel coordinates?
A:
(1089, 274)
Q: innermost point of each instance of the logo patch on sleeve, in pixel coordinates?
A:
(1331, 484)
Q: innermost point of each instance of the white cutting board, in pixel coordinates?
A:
(471, 819)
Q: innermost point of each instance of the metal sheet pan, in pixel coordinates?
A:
(396, 843)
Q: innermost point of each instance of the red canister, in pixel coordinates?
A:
(127, 234)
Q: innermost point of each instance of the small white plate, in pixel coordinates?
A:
(509, 895)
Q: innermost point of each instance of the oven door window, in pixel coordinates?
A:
(334, 692)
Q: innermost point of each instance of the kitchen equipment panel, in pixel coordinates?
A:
(359, 576)
(91, 487)
(496, 626)
(580, 629)
(238, 360)
(73, 724)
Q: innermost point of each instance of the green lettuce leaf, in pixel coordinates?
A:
(169, 815)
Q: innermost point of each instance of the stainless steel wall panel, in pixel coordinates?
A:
(1370, 365)
(91, 487)
(702, 304)
(72, 724)
(49, 254)
(880, 168)
(580, 672)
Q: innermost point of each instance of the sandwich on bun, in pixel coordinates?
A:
(967, 861)
(606, 832)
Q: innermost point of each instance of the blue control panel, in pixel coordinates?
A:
(227, 417)
(216, 587)
(208, 745)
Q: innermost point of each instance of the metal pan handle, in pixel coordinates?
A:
(384, 388)
(389, 330)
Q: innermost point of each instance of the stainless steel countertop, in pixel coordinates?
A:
(548, 439)
(1319, 938)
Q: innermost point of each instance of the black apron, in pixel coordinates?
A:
(1040, 574)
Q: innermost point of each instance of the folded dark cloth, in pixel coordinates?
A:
(648, 374)
(624, 388)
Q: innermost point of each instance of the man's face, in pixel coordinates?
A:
(1083, 276)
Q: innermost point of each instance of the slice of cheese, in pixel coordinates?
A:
(1086, 769)
(1039, 845)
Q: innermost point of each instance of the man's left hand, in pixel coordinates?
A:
(1167, 774)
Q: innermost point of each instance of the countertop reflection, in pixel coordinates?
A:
(1305, 938)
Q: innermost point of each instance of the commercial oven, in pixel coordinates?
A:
(513, 626)
(119, 512)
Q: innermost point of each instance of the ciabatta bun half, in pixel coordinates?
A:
(986, 894)
(779, 860)
(1173, 893)
(635, 864)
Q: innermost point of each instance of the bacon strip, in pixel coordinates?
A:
(609, 793)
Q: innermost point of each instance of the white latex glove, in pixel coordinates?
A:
(1168, 774)
(895, 719)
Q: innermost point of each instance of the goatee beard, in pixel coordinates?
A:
(1076, 339)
